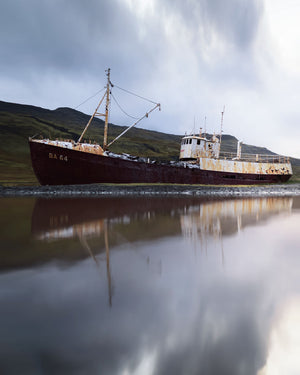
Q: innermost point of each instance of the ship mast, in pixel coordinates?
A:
(96, 113)
(106, 110)
(222, 117)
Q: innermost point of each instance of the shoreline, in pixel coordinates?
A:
(148, 190)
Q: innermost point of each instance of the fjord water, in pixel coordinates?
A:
(150, 286)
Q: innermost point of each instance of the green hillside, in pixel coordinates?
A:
(19, 122)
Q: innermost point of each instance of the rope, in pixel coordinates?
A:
(129, 92)
(135, 118)
(91, 97)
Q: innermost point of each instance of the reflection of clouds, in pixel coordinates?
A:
(191, 317)
(283, 356)
(186, 320)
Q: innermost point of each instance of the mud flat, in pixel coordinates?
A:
(163, 190)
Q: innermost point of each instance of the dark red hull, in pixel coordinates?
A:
(69, 167)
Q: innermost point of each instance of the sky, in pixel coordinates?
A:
(195, 57)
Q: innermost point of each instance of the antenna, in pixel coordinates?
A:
(222, 117)
(205, 126)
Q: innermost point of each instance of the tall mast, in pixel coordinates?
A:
(96, 113)
(222, 117)
(106, 110)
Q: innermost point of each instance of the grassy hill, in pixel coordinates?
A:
(19, 122)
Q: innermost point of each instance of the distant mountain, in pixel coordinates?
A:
(18, 122)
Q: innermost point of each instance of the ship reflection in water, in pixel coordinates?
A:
(66, 218)
(154, 286)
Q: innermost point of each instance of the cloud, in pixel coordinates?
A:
(59, 35)
(72, 38)
(235, 22)
(193, 57)
(147, 321)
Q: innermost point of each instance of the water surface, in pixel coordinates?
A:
(149, 286)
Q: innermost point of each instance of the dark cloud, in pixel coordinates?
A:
(73, 37)
(62, 35)
(234, 21)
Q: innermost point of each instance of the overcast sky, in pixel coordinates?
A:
(192, 56)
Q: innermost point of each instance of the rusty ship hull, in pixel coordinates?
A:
(55, 165)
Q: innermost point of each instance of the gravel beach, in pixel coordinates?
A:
(106, 190)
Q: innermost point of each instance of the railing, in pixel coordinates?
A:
(258, 158)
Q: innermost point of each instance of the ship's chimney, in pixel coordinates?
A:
(239, 150)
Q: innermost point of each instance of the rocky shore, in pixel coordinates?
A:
(163, 190)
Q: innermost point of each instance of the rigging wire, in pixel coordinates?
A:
(91, 97)
(132, 93)
(135, 118)
(109, 110)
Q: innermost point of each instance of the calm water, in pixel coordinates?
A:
(150, 286)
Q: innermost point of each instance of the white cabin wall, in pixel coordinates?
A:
(194, 150)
